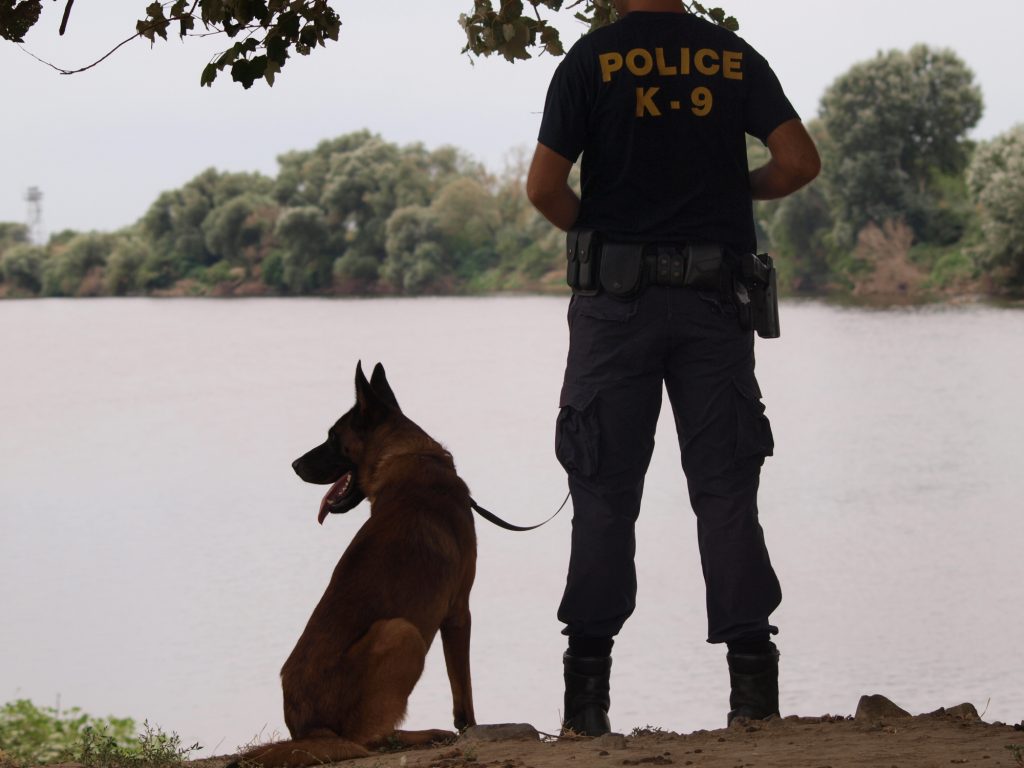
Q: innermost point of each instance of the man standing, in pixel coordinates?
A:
(658, 104)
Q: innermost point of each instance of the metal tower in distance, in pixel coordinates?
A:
(34, 198)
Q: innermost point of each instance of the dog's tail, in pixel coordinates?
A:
(301, 752)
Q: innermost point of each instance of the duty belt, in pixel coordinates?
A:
(622, 269)
(696, 265)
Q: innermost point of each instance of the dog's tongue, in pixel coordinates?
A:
(337, 491)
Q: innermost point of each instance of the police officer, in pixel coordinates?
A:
(658, 104)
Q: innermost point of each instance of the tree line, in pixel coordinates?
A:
(906, 203)
(906, 206)
(355, 215)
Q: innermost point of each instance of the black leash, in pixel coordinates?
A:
(493, 518)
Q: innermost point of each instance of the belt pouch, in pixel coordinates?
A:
(621, 268)
(669, 266)
(704, 265)
(581, 266)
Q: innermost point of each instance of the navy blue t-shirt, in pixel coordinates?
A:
(659, 105)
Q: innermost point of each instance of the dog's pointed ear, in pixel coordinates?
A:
(366, 398)
(379, 383)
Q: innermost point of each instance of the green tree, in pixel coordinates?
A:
(12, 233)
(527, 246)
(799, 227)
(76, 268)
(513, 30)
(996, 180)
(359, 197)
(174, 223)
(468, 220)
(415, 259)
(269, 30)
(238, 229)
(302, 174)
(124, 269)
(895, 124)
(366, 185)
(302, 262)
(22, 268)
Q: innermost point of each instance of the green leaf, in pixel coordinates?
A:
(277, 49)
(16, 19)
(213, 11)
(273, 67)
(209, 75)
(247, 72)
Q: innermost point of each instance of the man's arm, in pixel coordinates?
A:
(794, 162)
(547, 187)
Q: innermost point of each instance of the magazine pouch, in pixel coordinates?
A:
(581, 251)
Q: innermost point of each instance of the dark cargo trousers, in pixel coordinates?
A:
(620, 353)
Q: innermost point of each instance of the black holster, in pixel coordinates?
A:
(757, 294)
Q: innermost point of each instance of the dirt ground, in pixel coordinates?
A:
(879, 736)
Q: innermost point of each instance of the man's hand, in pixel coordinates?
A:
(547, 187)
(794, 162)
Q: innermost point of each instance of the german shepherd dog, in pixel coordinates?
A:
(406, 574)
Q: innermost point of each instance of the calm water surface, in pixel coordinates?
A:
(158, 557)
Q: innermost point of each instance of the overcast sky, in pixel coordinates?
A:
(103, 144)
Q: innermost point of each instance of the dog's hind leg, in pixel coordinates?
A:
(390, 659)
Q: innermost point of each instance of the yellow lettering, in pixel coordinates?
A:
(663, 69)
(684, 61)
(702, 100)
(700, 61)
(645, 102)
(639, 62)
(732, 65)
(610, 62)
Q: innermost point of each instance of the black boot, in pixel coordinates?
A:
(587, 697)
(754, 679)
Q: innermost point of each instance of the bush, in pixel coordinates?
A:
(31, 735)
(22, 267)
(123, 273)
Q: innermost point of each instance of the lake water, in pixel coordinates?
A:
(158, 557)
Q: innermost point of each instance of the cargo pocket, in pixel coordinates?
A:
(577, 434)
(754, 438)
(604, 306)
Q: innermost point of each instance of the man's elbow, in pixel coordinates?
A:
(803, 169)
(534, 192)
(538, 192)
(810, 167)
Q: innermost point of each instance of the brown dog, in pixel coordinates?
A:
(406, 574)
